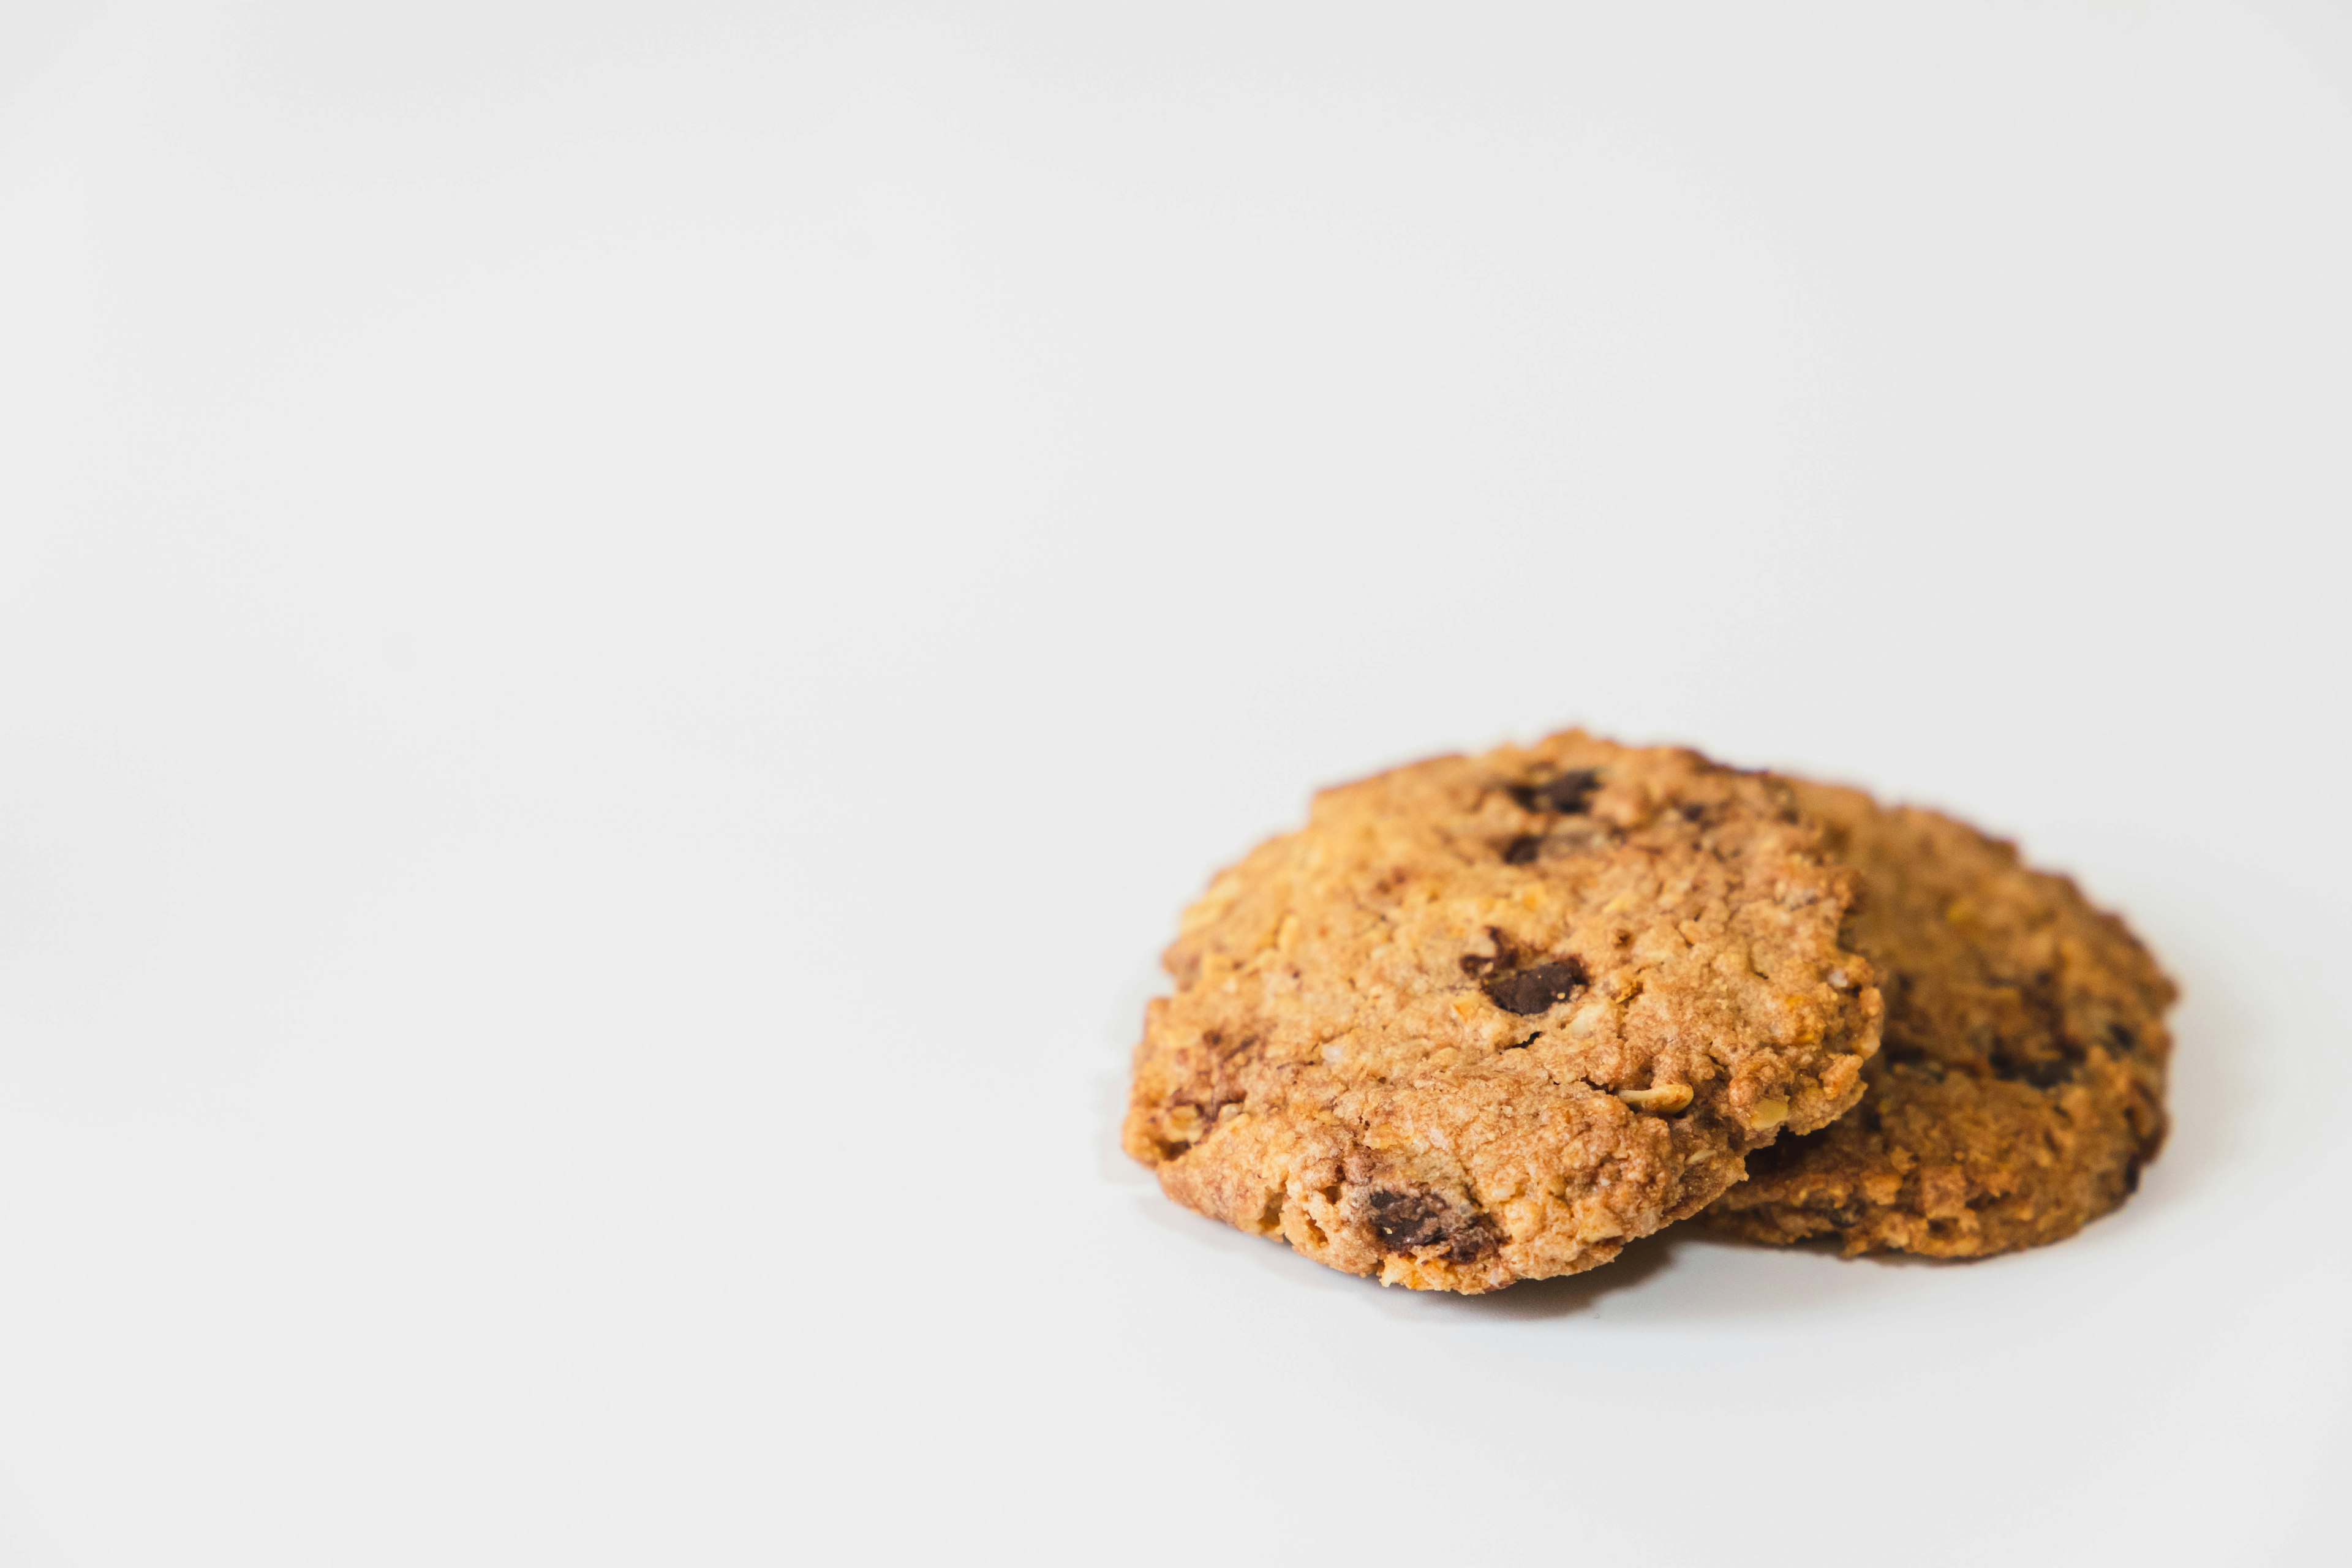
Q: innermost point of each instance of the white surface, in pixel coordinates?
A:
(623, 629)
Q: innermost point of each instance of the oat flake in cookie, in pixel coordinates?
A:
(2022, 1084)
(1489, 1018)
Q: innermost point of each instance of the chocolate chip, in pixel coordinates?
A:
(1407, 1221)
(1566, 794)
(2121, 1038)
(1537, 990)
(2045, 1074)
(1522, 850)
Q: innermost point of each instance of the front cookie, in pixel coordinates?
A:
(2022, 1085)
(1489, 1018)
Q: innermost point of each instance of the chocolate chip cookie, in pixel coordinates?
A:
(2020, 1085)
(1489, 1018)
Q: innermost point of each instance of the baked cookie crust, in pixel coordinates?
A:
(2021, 1084)
(1489, 1018)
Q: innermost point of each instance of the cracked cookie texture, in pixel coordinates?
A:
(1489, 1018)
(2021, 1084)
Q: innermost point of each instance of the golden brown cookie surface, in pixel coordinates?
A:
(2021, 1084)
(1489, 1018)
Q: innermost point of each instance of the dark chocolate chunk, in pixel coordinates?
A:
(2044, 1074)
(1522, 850)
(1407, 1221)
(1403, 1220)
(1566, 794)
(1537, 990)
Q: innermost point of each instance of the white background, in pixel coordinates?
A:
(623, 628)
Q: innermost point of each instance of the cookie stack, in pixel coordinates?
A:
(1486, 1019)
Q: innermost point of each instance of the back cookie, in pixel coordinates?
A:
(2020, 1085)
